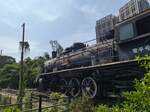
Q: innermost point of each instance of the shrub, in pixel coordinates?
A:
(102, 108)
(28, 100)
(81, 104)
(56, 99)
(13, 109)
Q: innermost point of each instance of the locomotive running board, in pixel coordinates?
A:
(100, 66)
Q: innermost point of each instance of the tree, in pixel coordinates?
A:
(32, 68)
(6, 60)
(9, 76)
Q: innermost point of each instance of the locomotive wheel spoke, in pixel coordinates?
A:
(89, 87)
(75, 87)
(63, 86)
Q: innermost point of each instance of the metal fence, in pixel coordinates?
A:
(40, 102)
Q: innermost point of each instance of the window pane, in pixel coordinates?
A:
(126, 32)
(143, 25)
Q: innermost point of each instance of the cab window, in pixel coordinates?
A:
(143, 25)
(126, 32)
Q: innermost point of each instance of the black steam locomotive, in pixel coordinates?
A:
(104, 69)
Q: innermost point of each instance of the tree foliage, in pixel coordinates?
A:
(9, 76)
(32, 68)
(6, 60)
(9, 72)
(11, 109)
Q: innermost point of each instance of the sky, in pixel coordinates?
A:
(66, 21)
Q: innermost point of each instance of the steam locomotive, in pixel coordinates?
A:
(104, 69)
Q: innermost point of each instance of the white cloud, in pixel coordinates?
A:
(9, 44)
(8, 22)
(45, 16)
(11, 5)
(88, 10)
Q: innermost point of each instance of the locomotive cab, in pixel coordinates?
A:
(133, 36)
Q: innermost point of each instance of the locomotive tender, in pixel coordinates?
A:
(104, 69)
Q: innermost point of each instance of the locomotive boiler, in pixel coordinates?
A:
(81, 56)
(104, 69)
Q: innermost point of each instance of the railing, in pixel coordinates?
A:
(40, 102)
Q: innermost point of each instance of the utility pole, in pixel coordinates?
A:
(21, 88)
